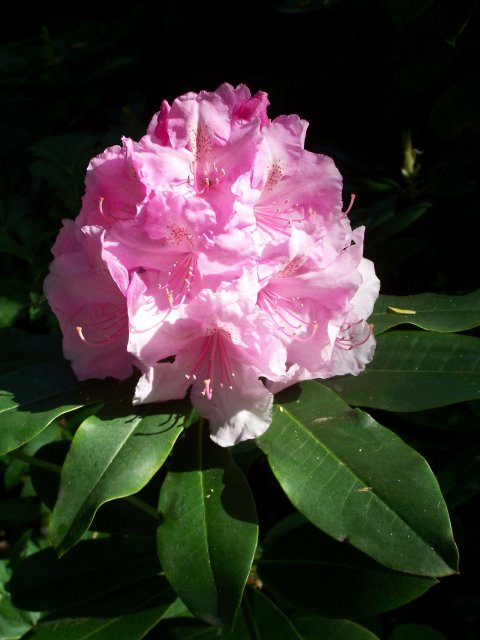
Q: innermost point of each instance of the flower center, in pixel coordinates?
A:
(213, 362)
(287, 314)
(180, 279)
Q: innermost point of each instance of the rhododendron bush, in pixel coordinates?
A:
(223, 327)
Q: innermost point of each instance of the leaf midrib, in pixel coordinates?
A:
(353, 474)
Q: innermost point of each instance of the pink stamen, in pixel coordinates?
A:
(112, 327)
(346, 342)
(286, 314)
(352, 200)
(214, 361)
(180, 280)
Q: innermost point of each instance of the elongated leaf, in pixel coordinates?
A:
(323, 567)
(32, 397)
(430, 311)
(415, 370)
(208, 536)
(122, 516)
(260, 619)
(108, 459)
(314, 627)
(93, 569)
(132, 623)
(358, 481)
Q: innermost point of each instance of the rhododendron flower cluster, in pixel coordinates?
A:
(215, 256)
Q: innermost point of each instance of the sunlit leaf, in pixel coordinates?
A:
(415, 370)
(111, 457)
(434, 312)
(208, 535)
(32, 397)
(358, 481)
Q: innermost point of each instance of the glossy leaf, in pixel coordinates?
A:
(314, 627)
(110, 458)
(32, 397)
(323, 567)
(208, 535)
(358, 481)
(413, 371)
(432, 311)
(120, 516)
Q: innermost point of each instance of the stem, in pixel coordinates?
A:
(36, 462)
(143, 506)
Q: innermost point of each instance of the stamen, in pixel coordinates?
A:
(286, 314)
(346, 342)
(352, 200)
(213, 359)
(104, 331)
(180, 279)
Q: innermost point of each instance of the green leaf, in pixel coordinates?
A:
(260, 619)
(118, 516)
(13, 622)
(208, 536)
(358, 481)
(10, 308)
(413, 371)
(313, 628)
(323, 567)
(434, 312)
(93, 569)
(111, 458)
(32, 397)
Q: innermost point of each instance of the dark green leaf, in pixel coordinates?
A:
(10, 309)
(111, 458)
(94, 568)
(404, 11)
(415, 632)
(20, 348)
(260, 619)
(434, 312)
(332, 578)
(358, 481)
(415, 370)
(208, 536)
(13, 622)
(133, 622)
(32, 397)
(313, 628)
(118, 516)
(393, 222)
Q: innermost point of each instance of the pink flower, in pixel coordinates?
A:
(215, 256)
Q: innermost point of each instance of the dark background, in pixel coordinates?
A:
(375, 79)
